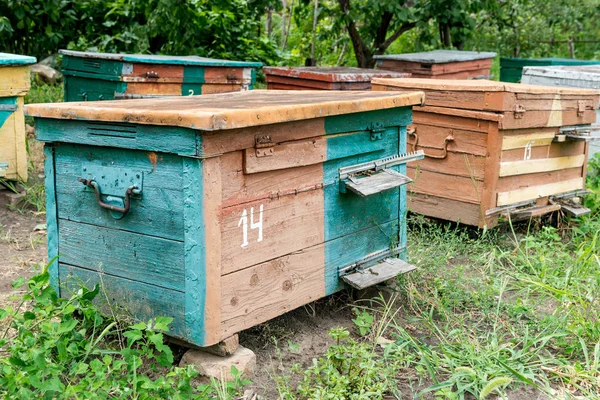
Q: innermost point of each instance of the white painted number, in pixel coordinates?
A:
(527, 154)
(243, 222)
(191, 92)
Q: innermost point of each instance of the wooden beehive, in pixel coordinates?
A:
(511, 69)
(587, 77)
(105, 76)
(324, 78)
(14, 84)
(495, 148)
(242, 206)
(440, 64)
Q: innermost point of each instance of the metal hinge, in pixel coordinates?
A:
(377, 129)
(519, 111)
(264, 145)
(371, 259)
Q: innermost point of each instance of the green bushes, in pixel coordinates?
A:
(220, 29)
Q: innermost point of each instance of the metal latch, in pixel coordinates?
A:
(377, 129)
(376, 176)
(578, 133)
(264, 145)
(8, 107)
(580, 108)
(519, 111)
(152, 74)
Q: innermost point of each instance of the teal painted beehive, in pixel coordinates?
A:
(224, 211)
(106, 76)
(511, 69)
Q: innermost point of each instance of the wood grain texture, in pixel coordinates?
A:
(286, 155)
(157, 212)
(447, 209)
(228, 110)
(445, 185)
(212, 188)
(195, 250)
(262, 292)
(460, 164)
(490, 185)
(13, 146)
(509, 183)
(127, 298)
(534, 192)
(540, 165)
(119, 135)
(290, 223)
(51, 216)
(519, 140)
(142, 258)
(15, 81)
(432, 136)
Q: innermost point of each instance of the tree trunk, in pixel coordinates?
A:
(269, 21)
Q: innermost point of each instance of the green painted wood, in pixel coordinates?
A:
(191, 89)
(142, 258)
(51, 216)
(157, 212)
(4, 114)
(351, 248)
(365, 120)
(83, 88)
(195, 251)
(109, 68)
(348, 213)
(127, 297)
(7, 59)
(511, 69)
(357, 144)
(162, 139)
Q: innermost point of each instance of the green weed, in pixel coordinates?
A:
(64, 348)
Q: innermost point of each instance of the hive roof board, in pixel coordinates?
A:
(333, 74)
(587, 76)
(227, 110)
(438, 56)
(7, 59)
(158, 59)
(525, 62)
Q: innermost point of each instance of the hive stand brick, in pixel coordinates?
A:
(219, 236)
(217, 367)
(225, 347)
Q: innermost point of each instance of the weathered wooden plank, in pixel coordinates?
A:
(286, 155)
(159, 209)
(531, 193)
(443, 185)
(508, 183)
(127, 298)
(532, 153)
(522, 140)
(51, 215)
(465, 141)
(195, 251)
(147, 259)
(383, 271)
(362, 121)
(119, 135)
(450, 210)
(236, 110)
(212, 188)
(463, 122)
(568, 148)
(281, 226)
(262, 292)
(460, 164)
(540, 165)
(492, 166)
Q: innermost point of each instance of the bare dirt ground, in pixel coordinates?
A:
(22, 248)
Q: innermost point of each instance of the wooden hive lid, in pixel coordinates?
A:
(457, 112)
(157, 59)
(449, 85)
(438, 56)
(333, 74)
(228, 110)
(7, 59)
(568, 74)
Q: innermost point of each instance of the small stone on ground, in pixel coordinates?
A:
(213, 366)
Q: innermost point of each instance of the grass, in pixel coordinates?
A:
(487, 314)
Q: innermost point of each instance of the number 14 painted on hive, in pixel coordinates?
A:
(244, 224)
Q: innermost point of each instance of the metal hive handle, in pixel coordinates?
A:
(444, 148)
(126, 204)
